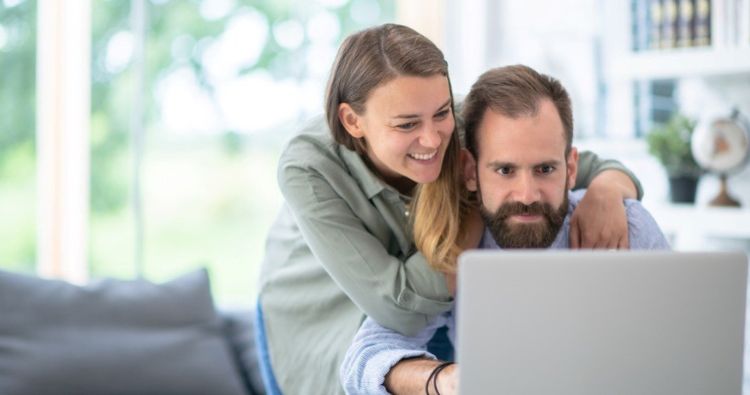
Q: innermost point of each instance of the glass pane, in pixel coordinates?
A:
(17, 135)
(111, 225)
(226, 84)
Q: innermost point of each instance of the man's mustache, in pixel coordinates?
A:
(517, 208)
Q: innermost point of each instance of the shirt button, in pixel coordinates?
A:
(406, 213)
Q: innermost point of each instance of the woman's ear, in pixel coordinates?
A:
(351, 121)
(470, 170)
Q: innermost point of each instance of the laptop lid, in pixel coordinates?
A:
(563, 322)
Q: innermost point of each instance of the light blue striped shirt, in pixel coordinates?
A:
(376, 349)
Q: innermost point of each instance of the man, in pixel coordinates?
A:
(521, 164)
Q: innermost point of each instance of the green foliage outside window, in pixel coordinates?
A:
(209, 198)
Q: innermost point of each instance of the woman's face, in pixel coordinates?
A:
(407, 125)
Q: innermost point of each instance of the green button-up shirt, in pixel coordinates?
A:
(341, 249)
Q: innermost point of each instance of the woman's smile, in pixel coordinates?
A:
(423, 157)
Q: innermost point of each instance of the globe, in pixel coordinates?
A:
(722, 145)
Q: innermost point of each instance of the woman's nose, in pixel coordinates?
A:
(430, 137)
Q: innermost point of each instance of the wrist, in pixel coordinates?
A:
(446, 380)
(613, 183)
(436, 386)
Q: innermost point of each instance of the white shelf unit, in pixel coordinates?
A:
(690, 227)
(681, 63)
(680, 220)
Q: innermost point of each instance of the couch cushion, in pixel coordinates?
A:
(239, 328)
(113, 337)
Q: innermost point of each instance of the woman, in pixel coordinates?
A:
(341, 247)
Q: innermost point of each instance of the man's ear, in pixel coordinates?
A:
(351, 121)
(572, 166)
(470, 170)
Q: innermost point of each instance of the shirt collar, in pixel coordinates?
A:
(368, 181)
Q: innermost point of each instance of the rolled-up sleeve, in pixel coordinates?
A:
(590, 165)
(376, 349)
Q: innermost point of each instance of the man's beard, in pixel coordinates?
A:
(539, 234)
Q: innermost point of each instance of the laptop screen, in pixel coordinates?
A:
(565, 322)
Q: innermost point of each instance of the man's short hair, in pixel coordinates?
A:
(514, 91)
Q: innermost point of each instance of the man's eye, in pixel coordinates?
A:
(546, 169)
(504, 170)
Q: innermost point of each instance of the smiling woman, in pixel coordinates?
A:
(406, 129)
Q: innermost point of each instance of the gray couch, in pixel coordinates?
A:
(122, 337)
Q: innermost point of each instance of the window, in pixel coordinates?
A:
(17, 135)
(224, 85)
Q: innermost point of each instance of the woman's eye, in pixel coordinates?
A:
(442, 114)
(407, 126)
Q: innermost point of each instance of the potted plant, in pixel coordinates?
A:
(670, 144)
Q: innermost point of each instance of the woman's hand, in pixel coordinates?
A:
(599, 220)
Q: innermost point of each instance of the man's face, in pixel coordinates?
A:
(522, 176)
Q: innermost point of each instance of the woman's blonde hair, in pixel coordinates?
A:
(439, 210)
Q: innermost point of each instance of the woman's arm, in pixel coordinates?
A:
(401, 294)
(600, 220)
(595, 172)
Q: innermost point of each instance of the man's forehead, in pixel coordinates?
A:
(540, 134)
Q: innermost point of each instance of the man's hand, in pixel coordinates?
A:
(410, 377)
(599, 220)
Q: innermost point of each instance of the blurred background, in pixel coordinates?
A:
(140, 138)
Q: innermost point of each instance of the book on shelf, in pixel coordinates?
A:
(685, 23)
(652, 23)
(669, 23)
(702, 29)
(664, 24)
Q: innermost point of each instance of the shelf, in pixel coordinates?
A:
(719, 222)
(681, 62)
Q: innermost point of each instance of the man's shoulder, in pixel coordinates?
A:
(643, 230)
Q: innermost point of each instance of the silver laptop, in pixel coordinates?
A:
(552, 322)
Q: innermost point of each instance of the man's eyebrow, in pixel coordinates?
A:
(552, 162)
(498, 164)
(409, 116)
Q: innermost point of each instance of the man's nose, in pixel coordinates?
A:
(526, 189)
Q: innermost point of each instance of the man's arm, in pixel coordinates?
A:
(376, 350)
(410, 377)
